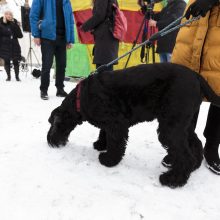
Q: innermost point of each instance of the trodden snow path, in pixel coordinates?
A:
(41, 183)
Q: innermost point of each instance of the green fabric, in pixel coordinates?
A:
(164, 3)
(77, 60)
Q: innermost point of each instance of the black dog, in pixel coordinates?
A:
(115, 101)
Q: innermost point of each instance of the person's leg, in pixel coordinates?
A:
(163, 58)
(47, 50)
(7, 69)
(60, 55)
(168, 57)
(16, 68)
(212, 135)
(110, 68)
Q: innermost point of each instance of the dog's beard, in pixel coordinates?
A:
(58, 133)
(56, 138)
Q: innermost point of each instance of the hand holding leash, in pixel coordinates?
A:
(200, 8)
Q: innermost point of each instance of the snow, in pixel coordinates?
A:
(41, 183)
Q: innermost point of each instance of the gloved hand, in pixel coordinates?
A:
(200, 7)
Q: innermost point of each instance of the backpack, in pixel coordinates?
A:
(120, 24)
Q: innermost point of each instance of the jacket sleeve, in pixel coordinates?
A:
(71, 26)
(35, 17)
(17, 33)
(72, 39)
(173, 16)
(99, 15)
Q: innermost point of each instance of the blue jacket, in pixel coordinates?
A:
(43, 19)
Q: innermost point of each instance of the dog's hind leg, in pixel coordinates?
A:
(175, 136)
(116, 144)
(100, 144)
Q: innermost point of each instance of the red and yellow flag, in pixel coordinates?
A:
(82, 11)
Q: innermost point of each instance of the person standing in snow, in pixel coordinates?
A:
(173, 10)
(198, 47)
(9, 46)
(106, 46)
(52, 28)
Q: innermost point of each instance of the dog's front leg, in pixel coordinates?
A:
(100, 144)
(116, 145)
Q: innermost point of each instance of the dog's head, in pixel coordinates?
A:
(62, 123)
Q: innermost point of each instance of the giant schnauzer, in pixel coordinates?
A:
(115, 101)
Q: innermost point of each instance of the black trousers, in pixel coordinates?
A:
(49, 49)
(212, 128)
(7, 67)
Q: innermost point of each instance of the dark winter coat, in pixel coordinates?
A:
(170, 13)
(106, 46)
(9, 45)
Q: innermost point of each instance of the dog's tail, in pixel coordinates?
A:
(208, 92)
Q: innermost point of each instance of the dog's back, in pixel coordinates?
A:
(143, 75)
(139, 93)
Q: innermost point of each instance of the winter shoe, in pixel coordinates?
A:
(44, 95)
(17, 78)
(212, 157)
(61, 93)
(8, 78)
(167, 161)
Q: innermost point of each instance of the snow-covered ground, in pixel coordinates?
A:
(41, 183)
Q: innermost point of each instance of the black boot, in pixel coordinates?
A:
(8, 78)
(8, 71)
(61, 93)
(16, 68)
(44, 95)
(17, 78)
(212, 157)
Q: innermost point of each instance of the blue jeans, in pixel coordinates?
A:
(165, 57)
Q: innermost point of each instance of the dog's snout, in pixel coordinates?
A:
(50, 120)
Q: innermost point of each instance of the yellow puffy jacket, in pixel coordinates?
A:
(198, 47)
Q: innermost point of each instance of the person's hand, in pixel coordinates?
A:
(200, 7)
(68, 46)
(37, 41)
(152, 23)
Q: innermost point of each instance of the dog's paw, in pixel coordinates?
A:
(107, 160)
(173, 179)
(99, 146)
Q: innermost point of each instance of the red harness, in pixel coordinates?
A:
(78, 91)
